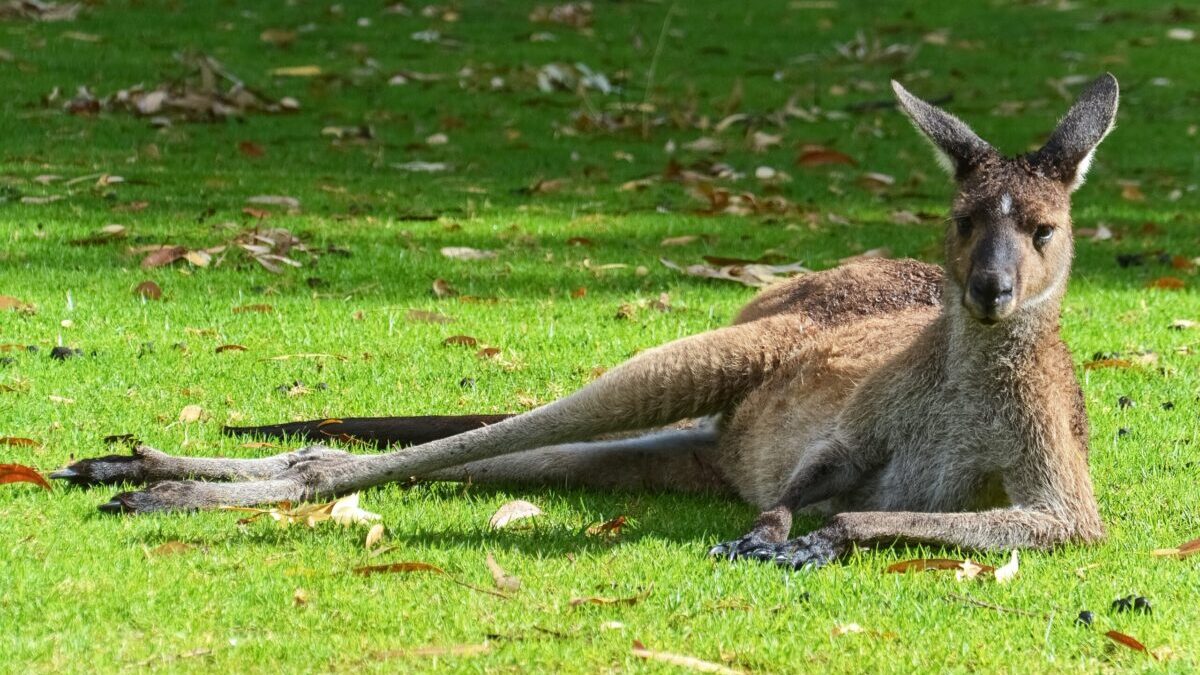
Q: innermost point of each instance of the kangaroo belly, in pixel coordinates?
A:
(799, 407)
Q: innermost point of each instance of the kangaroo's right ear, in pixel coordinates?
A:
(959, 150)
(1068, 153)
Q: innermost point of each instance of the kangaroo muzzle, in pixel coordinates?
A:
(990, 294)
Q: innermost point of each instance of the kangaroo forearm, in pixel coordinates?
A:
(998, 529)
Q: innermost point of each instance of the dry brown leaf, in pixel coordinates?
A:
(149, 290)
(511, 512)
(410, 567)
(428, 317)
(932, 564)
(819, 155)
(488, 353)
(1182, 324)
(17, 442)
(190, 413)
(299, 597)
(1167, 283)
(9, 302)
(17, 473)
(230, 348)
(1184, 550)
(969, 570)
(460, 341)
(1123, 639)
(172, 547)
(609, 528)
(680, 241)
(597, 600)
(163, 255)
(754, 275)
(688, 662)
(503, 580)
(443, 289)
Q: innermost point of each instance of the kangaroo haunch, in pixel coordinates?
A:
(907, 401)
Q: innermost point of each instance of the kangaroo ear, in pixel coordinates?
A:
(959, 150)
(1068, 153)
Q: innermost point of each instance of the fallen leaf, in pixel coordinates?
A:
(688, 662)
(173, 547)
(512, 512)
(597, 600)
(488, 352)
(374, 535)
(1185, 550)
(467, 253)
(410, 567)
(933, 564)
(847, 629)
(299, 597)
(1167, 283)
(54, 398)
(16, 473)
(443, 289)
(16, 442)
(609, 528)
(163, 255)
(148, 290)
(428, 317)
(251, 149)
(190, 413)
(460, 340)
(1123, 639)
(1008, 572)
(969, 570)
(754, 275)
(819, 155)
(503, 580)
(680, 241)
(1182, 324)
(9, 302)
(345, 511)
(230, 348)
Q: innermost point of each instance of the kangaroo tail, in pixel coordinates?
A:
(378, 431)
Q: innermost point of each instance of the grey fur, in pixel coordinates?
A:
(873, 391)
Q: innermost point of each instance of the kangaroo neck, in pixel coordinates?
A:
(974, 348)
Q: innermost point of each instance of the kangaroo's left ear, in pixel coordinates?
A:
(1068, 153)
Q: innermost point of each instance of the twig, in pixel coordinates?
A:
(998, 608)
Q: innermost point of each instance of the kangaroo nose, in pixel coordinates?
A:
(992, 289)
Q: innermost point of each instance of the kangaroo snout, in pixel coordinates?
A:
(989, 295)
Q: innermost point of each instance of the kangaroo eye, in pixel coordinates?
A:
(964, 225)
(1041, 236)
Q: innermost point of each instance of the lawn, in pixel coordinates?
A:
(570, 175)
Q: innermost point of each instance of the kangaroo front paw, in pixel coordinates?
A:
(810, 551)
(745, 547)
(137, 467)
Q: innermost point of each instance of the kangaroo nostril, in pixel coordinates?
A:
(991, 289)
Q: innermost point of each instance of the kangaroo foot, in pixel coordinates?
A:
(744, 547)
(813, 550)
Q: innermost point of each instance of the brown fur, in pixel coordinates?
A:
(910, 403)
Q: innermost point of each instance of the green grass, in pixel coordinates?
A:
(80, 591)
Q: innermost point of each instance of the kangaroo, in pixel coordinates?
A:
(908, 402)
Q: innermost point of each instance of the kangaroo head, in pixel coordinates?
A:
(1009, 244)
